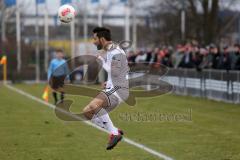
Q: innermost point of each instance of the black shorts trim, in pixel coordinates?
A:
(107, 98)
(112, 90)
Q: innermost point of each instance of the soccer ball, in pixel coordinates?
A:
(66, 13)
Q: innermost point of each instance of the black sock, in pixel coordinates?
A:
(62, 96)
(55, 97)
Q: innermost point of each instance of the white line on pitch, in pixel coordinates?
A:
(127, 140)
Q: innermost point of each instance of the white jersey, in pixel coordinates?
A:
(116, 65)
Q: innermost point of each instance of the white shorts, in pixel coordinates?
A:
(116, 95)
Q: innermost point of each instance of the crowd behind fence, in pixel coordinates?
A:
(190, 56)
(211, 71)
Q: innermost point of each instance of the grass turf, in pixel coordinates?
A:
(30, 130)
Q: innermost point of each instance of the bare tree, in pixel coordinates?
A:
(202, 21)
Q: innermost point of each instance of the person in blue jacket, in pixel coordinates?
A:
(57, 71)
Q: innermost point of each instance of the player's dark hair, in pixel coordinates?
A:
(103, 32)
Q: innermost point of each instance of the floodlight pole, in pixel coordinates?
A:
(37, 57)
(183, 21)
(72, 29)
(46, 38)
(85, 21)
(134, 26)
(101, 75)
(127, 22)
(18, 38)
(3, 26)
(85, 36)
(100, 15)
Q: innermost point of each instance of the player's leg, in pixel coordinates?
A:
(62, 96)
(96, 112)
(114, 101)
(55, 97)
(94, 106)
(56, 84)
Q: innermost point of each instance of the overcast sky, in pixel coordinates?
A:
(113, 7)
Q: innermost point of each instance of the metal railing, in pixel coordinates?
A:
(218, 85)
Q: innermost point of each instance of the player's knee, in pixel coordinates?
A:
(89, 111)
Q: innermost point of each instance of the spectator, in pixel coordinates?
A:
(141, 57)
(237, 64)
(206, 62)
(235, 57)
(177, 56)
(167, 59)
(155, 55)
(214, 52)
(131, 57)
(149, 56)
(187, 60)
(198, 58)
(225, 60)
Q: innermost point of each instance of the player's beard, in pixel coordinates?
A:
(99, 46)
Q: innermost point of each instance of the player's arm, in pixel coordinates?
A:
(106, 66)
(66, 70)
(50, 69)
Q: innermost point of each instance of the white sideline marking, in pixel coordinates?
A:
(127, 140)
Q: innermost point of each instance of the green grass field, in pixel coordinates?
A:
(31, 131)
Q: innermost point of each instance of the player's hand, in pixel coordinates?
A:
(101, 59)
(99, 56)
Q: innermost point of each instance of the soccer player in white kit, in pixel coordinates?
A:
(116, 90)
